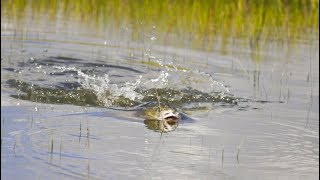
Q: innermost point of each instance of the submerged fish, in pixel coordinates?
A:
(161, 118)
(162, 113)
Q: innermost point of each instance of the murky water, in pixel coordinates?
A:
(66, 95)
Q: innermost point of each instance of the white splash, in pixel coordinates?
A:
(105, 91)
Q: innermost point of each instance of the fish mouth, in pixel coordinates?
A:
(170, 116)
(164, 120)
(172, 119)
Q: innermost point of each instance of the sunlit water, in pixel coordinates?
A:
(64, 96)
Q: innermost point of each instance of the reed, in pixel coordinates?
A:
(88, 135)
(60, 150)
(50, 145)
(14, 146)
(80, 130)
(310, 77)
(239, 147)
(222, 156)
(159, 109)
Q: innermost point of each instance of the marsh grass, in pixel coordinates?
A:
(310, 80)
(51, 150)
(196, 24)
(60, 150)
(14, 146)
(31, 121)
(239, 147)
(50, 145)
(88, 135)
(159, 109)
(222, 156)
(80, 130)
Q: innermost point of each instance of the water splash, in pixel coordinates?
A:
(88, 84)
(105, 91)
(174, 76)
(176, 85)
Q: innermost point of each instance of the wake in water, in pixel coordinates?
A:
(173, 85)
(177, 86)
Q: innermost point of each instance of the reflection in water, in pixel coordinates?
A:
(161, 126)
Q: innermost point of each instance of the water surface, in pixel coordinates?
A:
(64, 89)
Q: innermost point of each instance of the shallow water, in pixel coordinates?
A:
(249, 119)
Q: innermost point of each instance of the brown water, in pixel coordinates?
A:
(269, 131)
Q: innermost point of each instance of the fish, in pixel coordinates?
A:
(161, 118)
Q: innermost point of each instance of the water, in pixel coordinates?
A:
(64, 92)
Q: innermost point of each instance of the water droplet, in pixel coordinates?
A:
(36, 109)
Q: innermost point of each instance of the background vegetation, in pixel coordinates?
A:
(199, 24)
